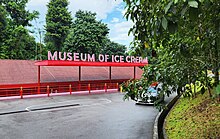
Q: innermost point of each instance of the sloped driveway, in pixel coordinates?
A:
(104, 116)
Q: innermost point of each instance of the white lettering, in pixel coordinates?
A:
(113, 58)
(91, 58)
(85, 56)
(116, 58)
(128, 59)
(106, 58)
(132, 59)
(52, 57)
(121, 58)
(140, 59)
(69, 55)
(64, 56)
(101, 58)
(76, 56)
(145, 60)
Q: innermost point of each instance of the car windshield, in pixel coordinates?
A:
(151, 90)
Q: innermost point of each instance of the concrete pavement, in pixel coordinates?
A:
(104, 116)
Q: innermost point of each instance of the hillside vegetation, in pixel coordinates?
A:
(197, 118)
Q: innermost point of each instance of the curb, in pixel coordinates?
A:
(158, 131)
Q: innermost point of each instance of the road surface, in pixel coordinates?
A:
(104, 116)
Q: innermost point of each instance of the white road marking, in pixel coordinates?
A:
(79, 101)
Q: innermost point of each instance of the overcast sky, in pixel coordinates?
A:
(109, 11)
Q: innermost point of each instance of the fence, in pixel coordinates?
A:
(58, 87)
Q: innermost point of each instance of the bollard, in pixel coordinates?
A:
(89, 88)
(121, 89)
(105, 87)
(70, 89)
(21, 92)
(117, 86)
(48, 90)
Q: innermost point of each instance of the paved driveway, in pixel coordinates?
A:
(104, 116)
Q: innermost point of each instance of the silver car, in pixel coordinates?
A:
(152, 94)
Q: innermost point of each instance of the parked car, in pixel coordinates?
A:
(152, 94)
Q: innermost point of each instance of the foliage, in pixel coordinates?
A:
(3, 25)
(112, 48)
(217, 92)
(22, 45)
(87, 34)
(3, 21)
(58, 23)
(18, 14)
(196, 118)
(135, 88)
(41, 51)
(16, 42)
(184, 34)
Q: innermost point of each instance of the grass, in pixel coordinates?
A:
(197, 118)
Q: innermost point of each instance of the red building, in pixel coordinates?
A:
(17, 75)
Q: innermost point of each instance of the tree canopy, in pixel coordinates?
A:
(185, 36)
(16, 41)
(113, 48)
(87, 35)
(18, 14)
(3, 25)
(58, 23)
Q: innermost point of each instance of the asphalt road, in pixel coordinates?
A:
(104, 116)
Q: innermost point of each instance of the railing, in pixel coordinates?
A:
(58, 88)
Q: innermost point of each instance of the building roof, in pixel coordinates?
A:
(25, 71)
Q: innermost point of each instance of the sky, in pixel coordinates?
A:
(110, 12)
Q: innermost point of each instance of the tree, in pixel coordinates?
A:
(58, 23)
(184, 34)
(113, 48)
(3, 22)
(87, 35)
(18, 14)
(3, 26)
(22, 44)
(17, 43)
